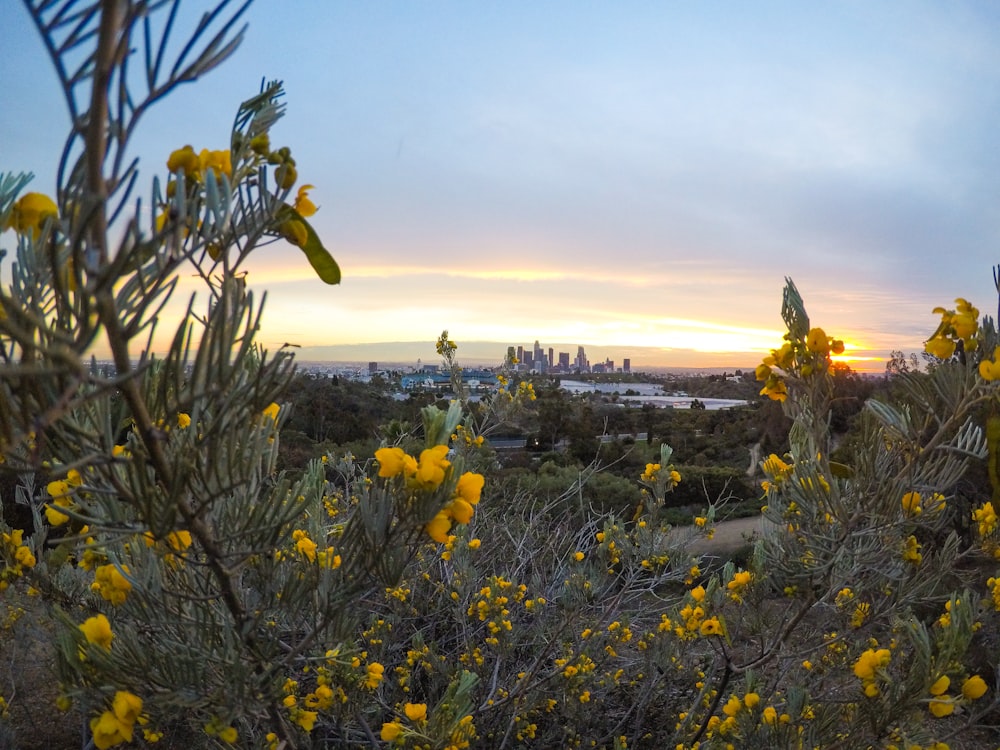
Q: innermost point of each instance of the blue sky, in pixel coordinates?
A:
(633, 173)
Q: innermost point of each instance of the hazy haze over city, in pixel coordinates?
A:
(614, 175)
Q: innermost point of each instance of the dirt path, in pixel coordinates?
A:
(729, 536)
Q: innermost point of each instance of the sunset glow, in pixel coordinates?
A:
(639, 177)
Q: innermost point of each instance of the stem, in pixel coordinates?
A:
(97, 121)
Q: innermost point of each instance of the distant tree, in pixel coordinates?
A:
(850, 391)
(583, 433)
(554, 415)
(899, 363)
(648, 420)
(336, 409)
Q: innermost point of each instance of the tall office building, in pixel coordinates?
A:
(626, 365)
(538, 357)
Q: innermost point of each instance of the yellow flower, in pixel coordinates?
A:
(989, 369)
(770, 715)
(986, 517)
(741, 579)
(941, 707)
(115, 726)
(775, 389)
(578, 556)
(179, 541)
(470, 487)
(30, 213)
(97, 630)
(649, 475)
(306, 720)
(126, 707)
(940, 685)
(229, 735)
(108, 731)
(183, 420)
(438, 527)
(711, 626)
(911, 503)
(940, 347)
(59, 488)
(184, 158)
(817, 341)
(24, 557)
(870, 662)
(432, 467)
(304, 545)
(392, 462)
(415, 711)
(974, 687)
(460, 510)
(391, 730)
(911, 553)
(374, 675)
(272, 411)
(111, 584)
(751, 699)
(965, 320)
(783, 358)
(732, 706)
(861, 613)
(61, 492)
(220, 162)
(302, 204)
(774, 466)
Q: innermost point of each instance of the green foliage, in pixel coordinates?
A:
(704, 484)
(585, 493)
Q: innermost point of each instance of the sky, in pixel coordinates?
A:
(631, 175)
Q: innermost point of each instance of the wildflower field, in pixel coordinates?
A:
(163, 584)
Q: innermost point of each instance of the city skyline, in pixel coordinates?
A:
(493, 353)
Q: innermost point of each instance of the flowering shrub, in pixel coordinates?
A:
(188, 590)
